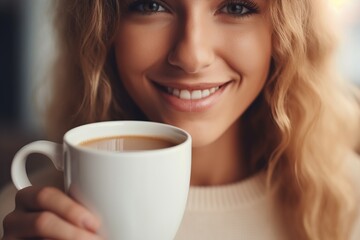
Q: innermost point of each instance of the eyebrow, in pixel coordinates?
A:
(126, 2)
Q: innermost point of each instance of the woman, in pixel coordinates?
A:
(251, 80)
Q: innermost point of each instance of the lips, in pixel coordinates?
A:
(194, 98)
(191, 92)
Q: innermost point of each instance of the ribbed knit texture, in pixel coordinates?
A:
(218, 198)
(244, 210)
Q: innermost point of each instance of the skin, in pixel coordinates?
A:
(189, 45)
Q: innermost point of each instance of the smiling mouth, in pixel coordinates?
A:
(187, 94)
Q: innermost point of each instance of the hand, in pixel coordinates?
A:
(48, 213)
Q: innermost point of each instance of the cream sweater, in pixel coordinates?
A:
(244, 210)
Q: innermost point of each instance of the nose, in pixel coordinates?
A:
(193, 46)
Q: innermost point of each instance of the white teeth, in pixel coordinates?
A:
(195, 94)
(185, 94)
(205, 93)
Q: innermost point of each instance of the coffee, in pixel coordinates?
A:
(128, 143)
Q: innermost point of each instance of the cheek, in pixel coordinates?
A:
(253, 49)
(137, 51)
(252, 53)
(129, 52)
(138, 48)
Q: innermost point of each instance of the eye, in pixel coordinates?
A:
(146, 7)
(239, 8)
(235, 9)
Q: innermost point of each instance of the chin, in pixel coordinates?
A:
(199, 142)
(203, 132)
(201, 135)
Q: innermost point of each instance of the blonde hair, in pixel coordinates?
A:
(316, 114)
(301, 124)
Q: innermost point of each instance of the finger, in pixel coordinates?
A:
(53, 200)
(44, 225)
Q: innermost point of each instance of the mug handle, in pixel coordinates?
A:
(52, 150)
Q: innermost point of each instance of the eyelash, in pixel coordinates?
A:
(136, 6)
(250, 7)
(245, 5)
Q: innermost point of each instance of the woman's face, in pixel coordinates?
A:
(195, 64)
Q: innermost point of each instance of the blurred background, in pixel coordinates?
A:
(27, 49)
(26, 52)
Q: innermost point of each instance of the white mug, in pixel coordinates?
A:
(138, 195)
